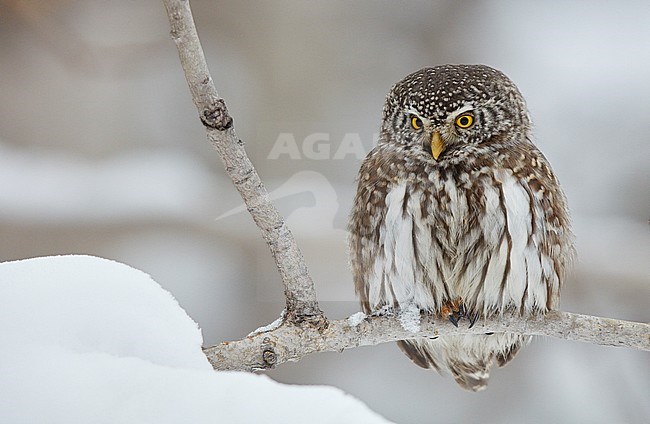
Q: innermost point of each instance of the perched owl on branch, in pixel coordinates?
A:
(458, 213)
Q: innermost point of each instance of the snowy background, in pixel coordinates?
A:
(101, 153)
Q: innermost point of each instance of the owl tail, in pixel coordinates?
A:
(467, 358)
(473, 377)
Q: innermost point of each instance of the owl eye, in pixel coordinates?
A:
(416, 122)
(464, 121)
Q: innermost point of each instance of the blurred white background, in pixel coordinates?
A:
(102, 153)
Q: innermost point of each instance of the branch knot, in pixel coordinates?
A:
(216, 116)
(269, 356)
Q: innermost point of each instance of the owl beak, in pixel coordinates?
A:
(437, 145)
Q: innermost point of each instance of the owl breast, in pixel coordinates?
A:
(475, 235)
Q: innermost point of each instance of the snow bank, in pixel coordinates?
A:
(88, 340)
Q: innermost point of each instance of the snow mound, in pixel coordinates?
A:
(89, 340)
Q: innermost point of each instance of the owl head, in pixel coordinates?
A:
(447, 111)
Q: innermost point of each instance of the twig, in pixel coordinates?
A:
(299, 290)
(291, 343)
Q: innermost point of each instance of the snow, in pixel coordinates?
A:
(89, 340)
(270, 327)
(409, 318)
(356, 319)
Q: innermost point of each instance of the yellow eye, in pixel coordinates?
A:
(416, 122)
(465, 121)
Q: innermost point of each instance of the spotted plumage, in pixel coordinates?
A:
(458, 213)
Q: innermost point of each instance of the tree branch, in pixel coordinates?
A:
(303, 329)
(299, 290)
(289, 342)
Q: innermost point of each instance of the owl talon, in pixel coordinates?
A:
(472, 319)
(453, 318)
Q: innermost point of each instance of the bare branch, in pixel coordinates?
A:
(290, 342)
(298, 286)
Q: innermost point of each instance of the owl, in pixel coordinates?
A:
(458, 213)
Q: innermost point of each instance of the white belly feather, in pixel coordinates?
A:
(418, 264)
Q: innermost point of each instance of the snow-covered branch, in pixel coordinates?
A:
(304, 329)
(298, 286)
(291, 342)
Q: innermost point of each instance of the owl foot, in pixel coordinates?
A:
(455, 310)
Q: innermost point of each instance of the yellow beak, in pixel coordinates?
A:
(437, 145)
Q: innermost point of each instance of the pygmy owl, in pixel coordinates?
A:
(458, 213)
